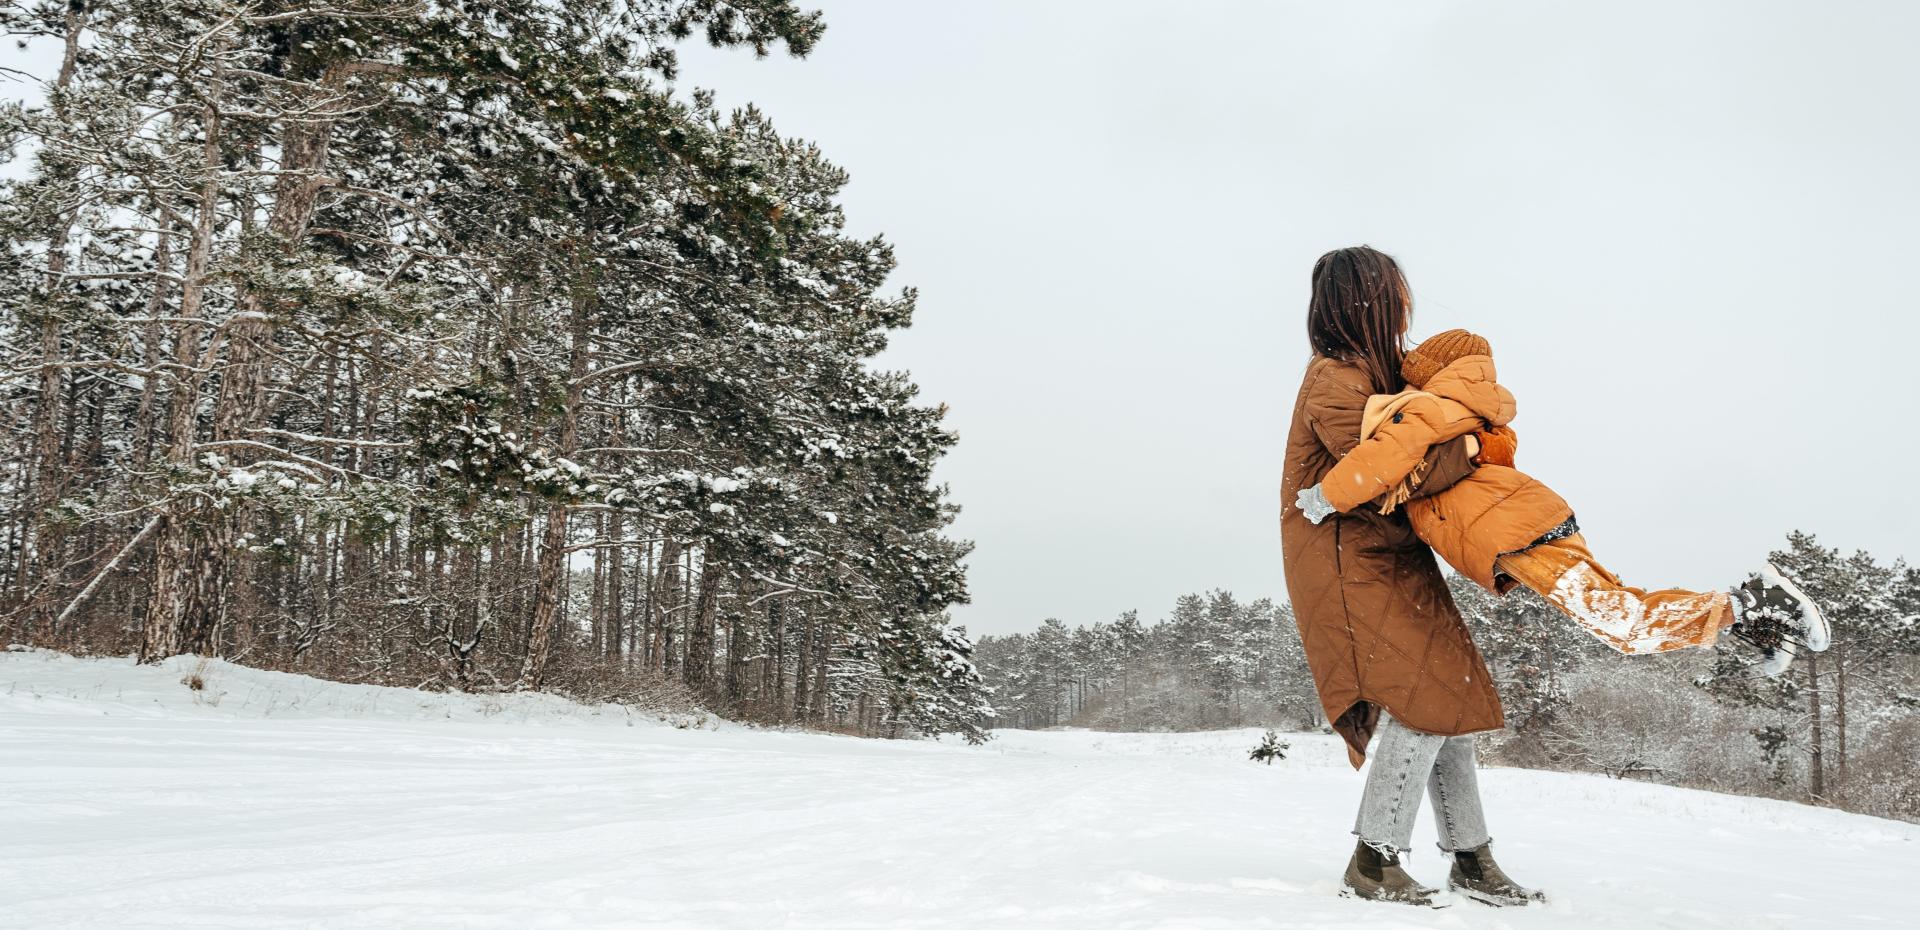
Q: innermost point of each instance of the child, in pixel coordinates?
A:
(1500, 527)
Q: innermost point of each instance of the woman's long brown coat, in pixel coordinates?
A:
(1380, 629)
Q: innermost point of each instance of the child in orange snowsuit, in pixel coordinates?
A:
(1498, 526)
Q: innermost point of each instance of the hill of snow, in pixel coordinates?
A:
(268, 800)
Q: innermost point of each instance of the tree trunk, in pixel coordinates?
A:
(735, 653)
(1817, 763)
(551, 575)
(150, 338)
(47, 474)
(774, 678)
(615, 607)
(822, 697)
(547, 595)
(597, 596)
(660, 603)
(186, 575)
(1840, 711)
(304, 145)
(698, 671)
(802, 670)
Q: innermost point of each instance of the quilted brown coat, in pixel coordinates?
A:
(1470, 523)
(1380, 629)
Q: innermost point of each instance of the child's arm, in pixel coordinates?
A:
(1380, 462)
(1446, 465)
(1336, 409)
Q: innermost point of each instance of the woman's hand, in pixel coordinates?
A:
(1313, 504)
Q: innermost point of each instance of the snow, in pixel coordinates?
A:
(269, 800)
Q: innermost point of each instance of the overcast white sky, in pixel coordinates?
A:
(1688, 229)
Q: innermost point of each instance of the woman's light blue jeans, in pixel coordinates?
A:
(1403, 764)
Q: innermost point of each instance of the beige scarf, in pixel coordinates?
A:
(1380, 409)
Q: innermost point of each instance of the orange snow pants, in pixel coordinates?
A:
(1632, 621)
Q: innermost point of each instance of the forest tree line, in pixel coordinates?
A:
(1840, 728)
(448, 345)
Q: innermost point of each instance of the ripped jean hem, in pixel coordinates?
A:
(1384, 848)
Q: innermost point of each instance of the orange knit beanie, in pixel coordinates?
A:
(1439, 351)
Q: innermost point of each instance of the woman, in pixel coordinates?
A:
(1389, 652)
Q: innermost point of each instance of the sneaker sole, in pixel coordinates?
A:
(1819, 636)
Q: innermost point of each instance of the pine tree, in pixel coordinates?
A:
(1874, 649)
(347, 334)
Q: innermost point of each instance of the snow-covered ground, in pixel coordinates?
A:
(264, 800)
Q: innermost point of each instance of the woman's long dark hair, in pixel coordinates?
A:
(1359, 313)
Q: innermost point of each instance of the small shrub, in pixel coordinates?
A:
(196, 679)
(1271, 747)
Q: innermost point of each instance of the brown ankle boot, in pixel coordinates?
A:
(1377, 876)
(1477, 876)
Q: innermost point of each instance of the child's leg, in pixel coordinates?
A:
(1630, 620)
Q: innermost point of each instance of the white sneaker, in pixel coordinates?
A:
(1813, 632)
(1779, 619)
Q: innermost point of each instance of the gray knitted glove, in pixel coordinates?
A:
(1313, 504)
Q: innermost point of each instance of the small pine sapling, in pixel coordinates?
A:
(1271, 747)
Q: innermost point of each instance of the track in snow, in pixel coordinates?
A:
(126, 801)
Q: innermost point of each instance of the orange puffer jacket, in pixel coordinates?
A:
(1494, 510)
